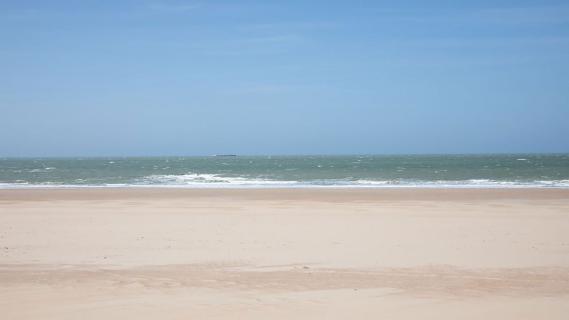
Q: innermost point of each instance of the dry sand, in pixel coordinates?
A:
(284, 254)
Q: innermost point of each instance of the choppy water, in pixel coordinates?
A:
(292, 171)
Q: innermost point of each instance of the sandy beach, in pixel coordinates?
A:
(148, 253)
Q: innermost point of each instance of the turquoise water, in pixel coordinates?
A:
(519, 170)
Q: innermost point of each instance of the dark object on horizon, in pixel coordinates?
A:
(225, 155)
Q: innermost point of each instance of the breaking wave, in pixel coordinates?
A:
(194, 180)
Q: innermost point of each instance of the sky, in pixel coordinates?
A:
(151, 78)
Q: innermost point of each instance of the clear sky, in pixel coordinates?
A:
(97, 78)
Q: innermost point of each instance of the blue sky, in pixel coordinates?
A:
(97, 78)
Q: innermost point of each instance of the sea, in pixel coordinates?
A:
(318, 171)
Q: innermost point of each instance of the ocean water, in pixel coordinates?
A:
(374, 171)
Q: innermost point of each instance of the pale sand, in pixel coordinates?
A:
(284, 254)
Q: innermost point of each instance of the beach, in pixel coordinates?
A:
(297, 253)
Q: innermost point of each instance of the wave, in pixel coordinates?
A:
(193, 180)
(214, 180)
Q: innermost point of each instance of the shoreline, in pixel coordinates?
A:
(508, 185)
(412, 193)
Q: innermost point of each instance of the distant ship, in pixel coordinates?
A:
(225, 155)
